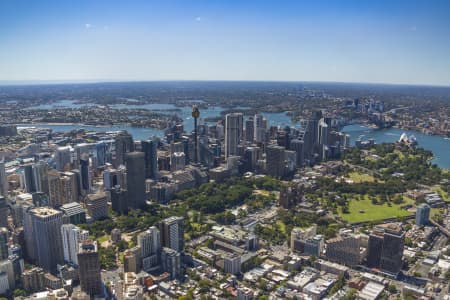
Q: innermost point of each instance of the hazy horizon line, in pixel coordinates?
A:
(4, 83)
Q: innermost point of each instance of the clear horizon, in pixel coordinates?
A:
(382, 42)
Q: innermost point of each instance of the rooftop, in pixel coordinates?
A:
(371, 291)
(45, 211)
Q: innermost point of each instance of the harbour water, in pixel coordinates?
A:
(137, 133)
(275, 119)
(439, 145)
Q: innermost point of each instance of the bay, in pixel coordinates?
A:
(439, 145)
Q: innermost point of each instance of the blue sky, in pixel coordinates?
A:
(347, 41)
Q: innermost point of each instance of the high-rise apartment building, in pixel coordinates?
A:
(392, 253)
(171, 262)
(385, 248)
(172, 233)
(149, 242)
(422, 214)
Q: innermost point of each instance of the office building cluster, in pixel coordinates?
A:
(277, 151)
(56, 184)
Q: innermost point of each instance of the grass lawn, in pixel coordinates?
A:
(261, 192)
(373, 212)
(360, 177)
(282, 226)
(103, 238)
(438, 189)
(435, 211)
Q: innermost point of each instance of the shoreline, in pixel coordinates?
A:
(24, 125)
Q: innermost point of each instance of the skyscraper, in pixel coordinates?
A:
(422, 214)
(251, 157)
(149, 147)
(260, 128)
(391, 256)
(85, 175)
(375, 246)
(195, 115)
(298, 146)
(3, 180)
(324, 134)
(249, 130)
(89, 268)
(276, 161)
(45, 236)
(113, 177)
(316, 116)
(233, 133)
(3, 243)
(311, 137)
(119, 200)
(135, 163)
(71, 237)
(123, 144)
(63, 158)
(4, 212)
(63, 187)
(27, 177)
(40, 176)
(101, 149)
(172, 233)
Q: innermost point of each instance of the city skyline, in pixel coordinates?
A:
(401, 42)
